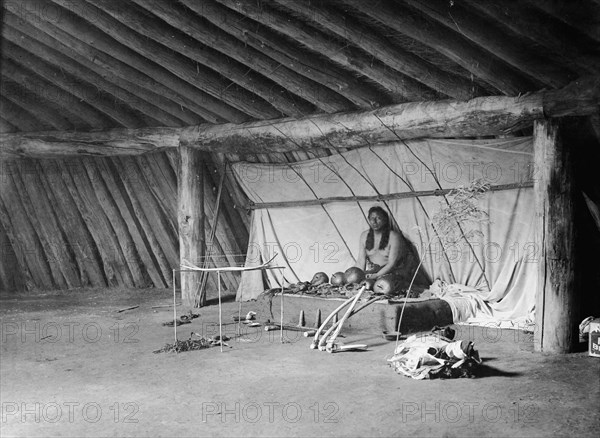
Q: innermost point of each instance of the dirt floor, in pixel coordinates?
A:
(71, 365)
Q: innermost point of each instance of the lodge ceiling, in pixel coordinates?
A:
(99, 64)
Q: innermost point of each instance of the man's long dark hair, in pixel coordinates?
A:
(385, 236)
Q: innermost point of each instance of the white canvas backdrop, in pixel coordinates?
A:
(309, 239)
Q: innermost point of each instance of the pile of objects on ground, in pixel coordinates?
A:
(344, 284)
(435, 355)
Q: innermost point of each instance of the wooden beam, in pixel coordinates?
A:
(399, 86)
(361, 92)
(30, 80)
(399, 59)
(481, 116)
(556, 311)
(77, 91)
(190, 217)
(34, 104)
(121, 90)
(391, 196)
(487, 34)
(220, 93)
(290, 84)
(20, 118)
(97, 60)
(583, 15)
(480, 63)
(174, 29)
(567, 46)
(6, 126)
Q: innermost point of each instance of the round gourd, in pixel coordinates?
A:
(319, 278)
(383, 286)
(354, 275)
(337, 279)
(369, 283)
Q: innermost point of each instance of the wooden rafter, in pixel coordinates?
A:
(74, 90)
(174, 35)
(560, 40)
(18, 117)
(45, 33)
(57, 60)
(583, 15)
(481, 116)
(487, 35)
(260, 37)
(40, 107)
(221, 90)
(227, 46)
(69, 103)
(482, 64)
(401, 60)
(401, 87)
(93, 37)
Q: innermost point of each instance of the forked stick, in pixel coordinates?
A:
(315, 341)
(338, 327)
(331, 347)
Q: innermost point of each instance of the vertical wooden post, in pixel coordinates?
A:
(556, 311)
(190, 208)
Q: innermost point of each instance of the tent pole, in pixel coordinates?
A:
(556, 314)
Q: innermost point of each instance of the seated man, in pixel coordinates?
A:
(384, 252)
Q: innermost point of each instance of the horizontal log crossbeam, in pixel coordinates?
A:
(482, 116)
(379, 198)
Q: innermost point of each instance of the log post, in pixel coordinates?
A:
(556, 310)
(190, 208)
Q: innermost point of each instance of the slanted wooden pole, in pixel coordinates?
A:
(556, 310)
(190, 208)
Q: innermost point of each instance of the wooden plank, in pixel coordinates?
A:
(403, 61)
(150, 271)
(359, 91)
(24, 239)
(143, 206)
(401, 87)
(482, 116)
(80, 240)
(284, 84)
(49, 226)
(81, 50)
(79, 186)
(12, 278)
(107, 200)
(474, 59)
(557, 308)
(190, 217)
(48, 249)
(220, 96)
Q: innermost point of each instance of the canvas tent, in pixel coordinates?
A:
(310, 236)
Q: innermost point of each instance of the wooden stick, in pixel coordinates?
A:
(391, 196)
(174, 308)
(338, 326)
(355, 311)
(127, 308)
(315, 341)
(220, 317)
